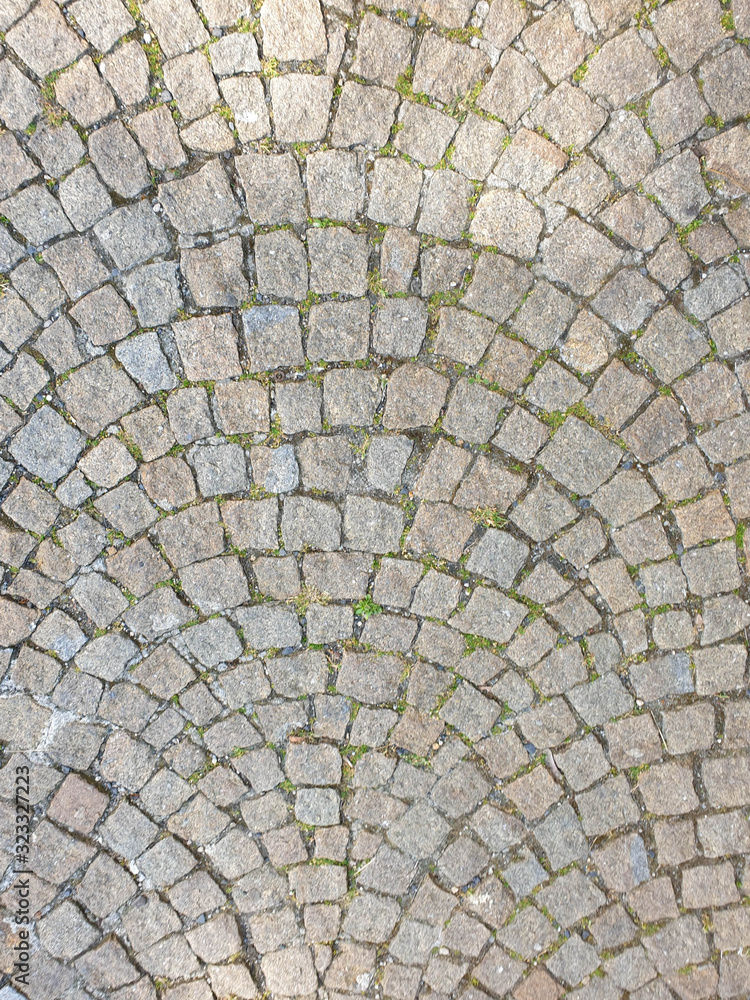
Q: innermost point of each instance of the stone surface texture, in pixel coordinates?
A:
(374, 495)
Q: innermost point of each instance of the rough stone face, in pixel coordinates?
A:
(301, 104)
(725, 81)
(622, 70)
(17, 166)
(446, 70)
(425, 134)
(557, 45)
(627, 300)
(580, 257)
(177, 26)
(569, 117)
(508, 221)
(82, 92)
(678, 31)
(564, 457)
(132, 235)
(245, 97)
(208, 347)
(395, 190)
(201, 202)
(47, 446)
(364, 117)
(98, 393)
(293, 31)
(383, 52)
(676, 111)
(415, 397)
(338, 261)
(339, 331)
(43, 40)
(36, 214)
(636, 220)
(20, 101)
(215, 275)
(583, 188)
(530, 163)
(126, 70)
(478, 144)
(679, 187)
(281, 266)
(119, 162)
(513, 87)
(335, 185)
(272, 336)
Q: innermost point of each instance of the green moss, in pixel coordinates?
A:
(404, 85)
(153, 54)
(446, 160)
(489, 516)
(366, 608)
(269, 67)
(462, 34)
(375, 282)
(581, 72)
(636, 772)
(554, 419)
(54, 115)
(663, 56)
(225, 111)
(474, 642)
(684, 231)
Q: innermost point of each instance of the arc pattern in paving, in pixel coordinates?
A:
(374, 475)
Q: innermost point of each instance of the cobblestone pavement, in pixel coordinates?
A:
(374, 466)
